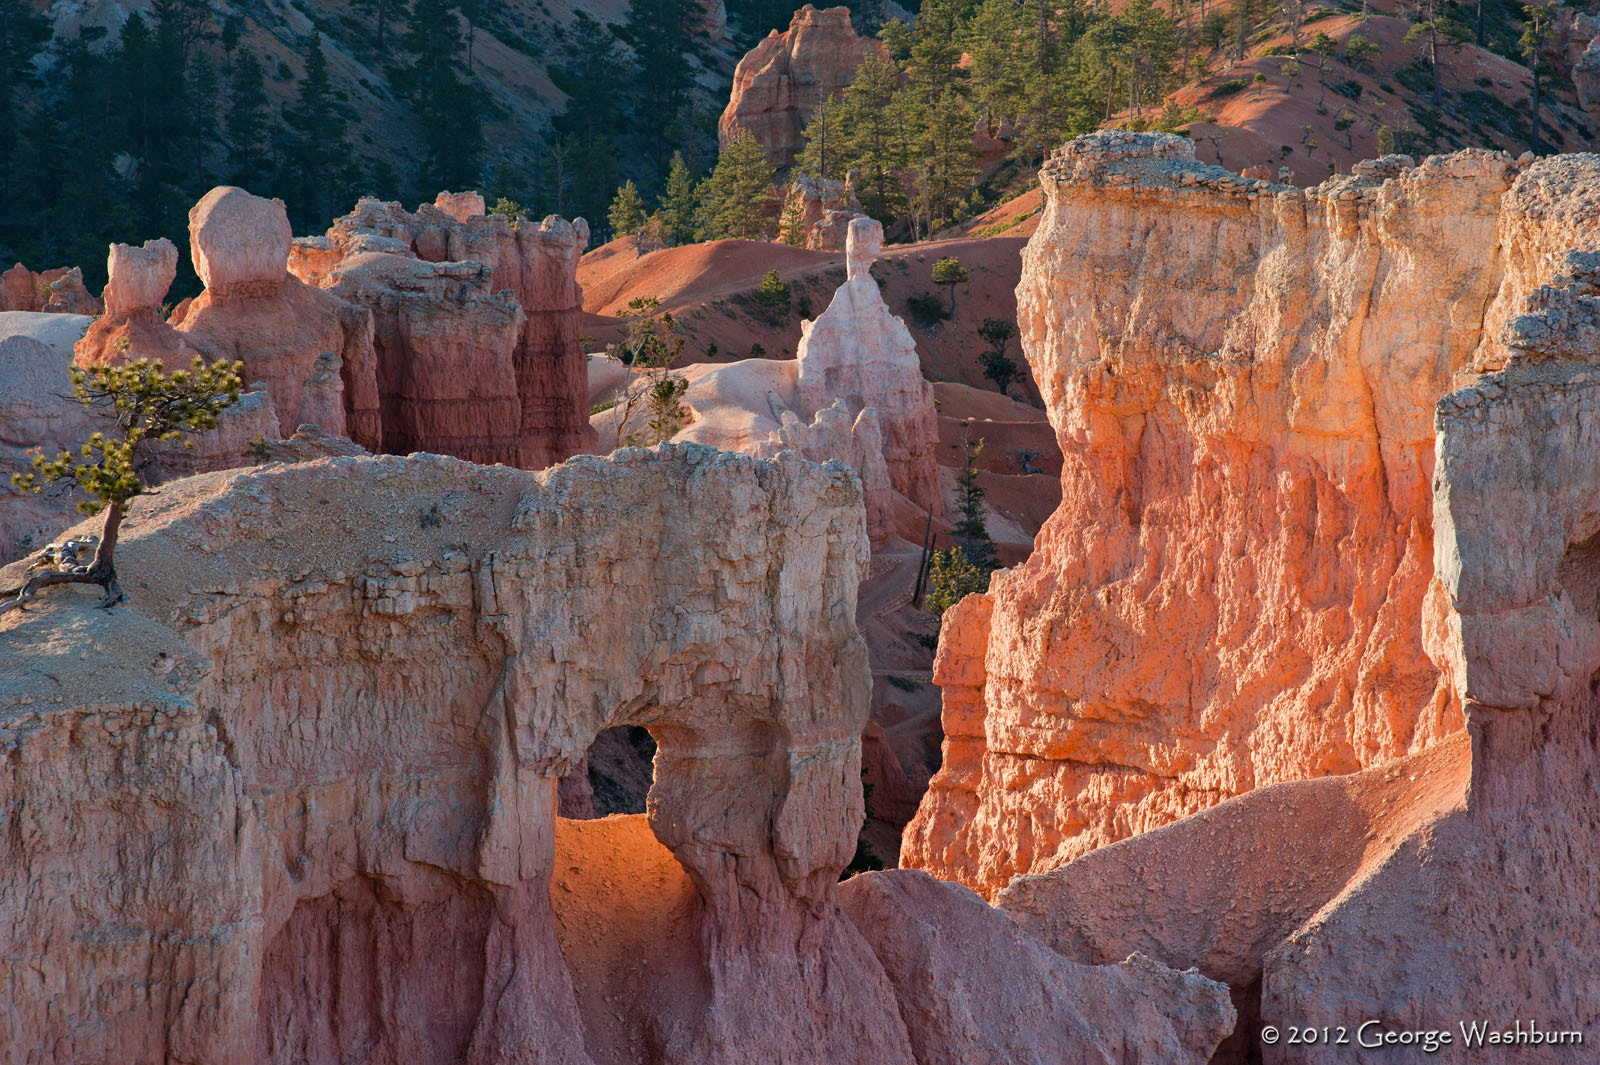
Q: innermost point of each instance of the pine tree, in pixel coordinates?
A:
(317, 139)
(820, 150)
(970, 530)
(381, 11)
(627, 211)
(203, 91)
(950, 273)
(677, 203)
(949, 163)
(735, 199)
(452, 127)
(22, 31)
(875, 135)
(228, 39)
(997, 366)
(85, 205)
(663, 39)
(791, 221)
(951, 578)
(138, 78)
(247, 123)
(592, 79)
(573, 176)
(145, 404)
(1536, 27)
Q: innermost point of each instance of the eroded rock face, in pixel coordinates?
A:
(784, 78)
(446, 346)
(132, 326)
(59, 291)
(323, 773)
(974, 988)
(1230, 591)
(239, 243)
(825, 210)
(1451, 887)
(856, 441)
(312, 350)
(857, 352)
(67, 293)
(303, 801)
(537, 262)
(1575, 47)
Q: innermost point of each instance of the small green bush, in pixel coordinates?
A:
(951, 578)
(926, 306)
(773, 295)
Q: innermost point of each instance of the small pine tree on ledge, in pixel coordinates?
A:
(950, 273)
(145, 404)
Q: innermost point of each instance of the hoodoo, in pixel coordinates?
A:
(1229, 594)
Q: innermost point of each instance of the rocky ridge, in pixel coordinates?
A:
(427, 315)
(1230, 592)
(303, 805)
(1451, 883)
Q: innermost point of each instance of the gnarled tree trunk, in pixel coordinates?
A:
(101, 571)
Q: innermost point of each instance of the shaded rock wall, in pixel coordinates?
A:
(1242, 378)
(974, 988)
(536, 262)
(445, 346)
(58, 291)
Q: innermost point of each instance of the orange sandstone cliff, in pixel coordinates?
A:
(1454, 886)
(1242, 378)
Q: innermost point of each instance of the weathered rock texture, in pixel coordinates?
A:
(1454, 886)
(1575, 47)
(975, 989)
(311, 351)
(855, 392)
(446, 347)
(537, 262)
(835, 434)
(1230, 592)
(296, 802)
(133, 326)
(58, 291)
(364, 737)
(784, 78)
(824, 210)
(856, 351)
